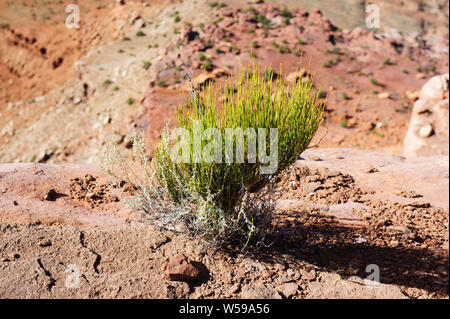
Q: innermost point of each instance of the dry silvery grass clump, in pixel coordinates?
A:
(215, 196)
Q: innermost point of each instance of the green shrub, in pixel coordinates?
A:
(217, 201)
(330, 62)
(301, 41)
(146, 65)
(432, 69)
(385, 62)
(283, 49)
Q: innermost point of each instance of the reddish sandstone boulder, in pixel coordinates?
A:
(179, 268)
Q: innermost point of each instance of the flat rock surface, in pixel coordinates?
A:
(428, 176)
(79, 240)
